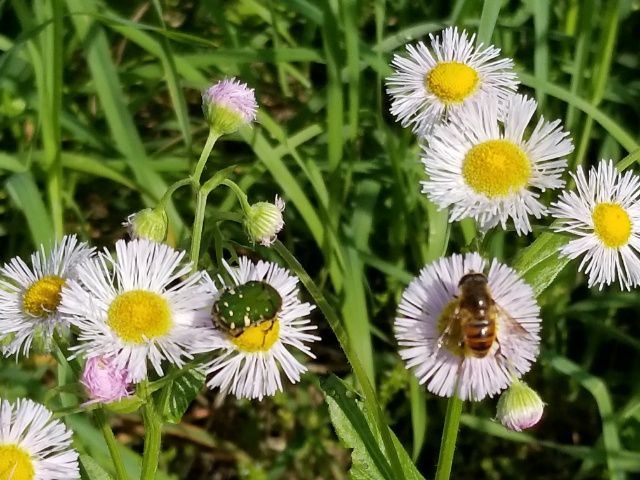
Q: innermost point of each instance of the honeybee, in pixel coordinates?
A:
(472, 326)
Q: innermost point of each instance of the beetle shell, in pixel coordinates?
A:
(246, 305)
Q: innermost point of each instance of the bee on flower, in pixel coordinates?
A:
(465, 333)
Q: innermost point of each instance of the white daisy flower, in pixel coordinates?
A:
(34, 445)
(485, 169)
(138, 306)
(258, 318)
(431, 83)
(604, 214)
(29, 296)
(453, 352)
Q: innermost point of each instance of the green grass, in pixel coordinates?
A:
(100, 112)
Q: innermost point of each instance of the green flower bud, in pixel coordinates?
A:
(150, 223)
(264, 220)
(519, 407)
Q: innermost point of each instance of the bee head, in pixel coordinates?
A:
(472, 279)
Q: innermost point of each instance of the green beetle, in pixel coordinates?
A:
(244, 306)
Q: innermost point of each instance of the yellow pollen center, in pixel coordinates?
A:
(138, 315)
(496, 168)
(452, 82)
(15, 463)
(612, 224)
(258, 338)
(43, 297)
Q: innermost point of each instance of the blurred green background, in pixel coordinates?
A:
(100, 111)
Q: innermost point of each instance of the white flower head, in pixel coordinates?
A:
(250, 353)
(30, 295)
(443, 350)
(433, 82)
(487, 170)
(34, 445)
(137, 307)
(604, 214)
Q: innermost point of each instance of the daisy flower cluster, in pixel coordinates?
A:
(470, 328)
(140, 308)
(132, 314)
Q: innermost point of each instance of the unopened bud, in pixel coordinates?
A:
(228, 105)
(519, 407)
(104, 381)
(264, 220)
(150, 223)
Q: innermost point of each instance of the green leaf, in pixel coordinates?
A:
(11, 163)
(540, 263)
(354, 430)
(126, 405)
(92, 470)
(183, 390)
(25, 194)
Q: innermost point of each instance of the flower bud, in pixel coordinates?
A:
(150, 223)
(264, 220)
(228, 105)
(519, 407)
(104, 381)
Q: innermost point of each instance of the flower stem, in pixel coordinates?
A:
(167, 194)
(112, 444)
(152, 434)
(449, 436)
(204, 156)
(369, 394)
(198, 220)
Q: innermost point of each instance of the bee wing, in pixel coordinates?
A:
(451, 335)
(512, 326)
(514, 330)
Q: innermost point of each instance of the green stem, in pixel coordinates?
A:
(242, 197)
(368, 392)
(198, 220)
(167, 195)
(112, 444)
(449, 436)
(629, 160)
(152, 434)
(204, 156)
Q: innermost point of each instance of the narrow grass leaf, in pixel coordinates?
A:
(598, 389)
(25, 194)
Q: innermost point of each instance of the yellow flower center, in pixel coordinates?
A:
(612, 224)
(451, 339)
(258, 338)
(496, 168)
(452, 82)
(43, 297)
(15, 463)
(139, 315)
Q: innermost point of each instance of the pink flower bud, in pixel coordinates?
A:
(228, 105)
(104, 381)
